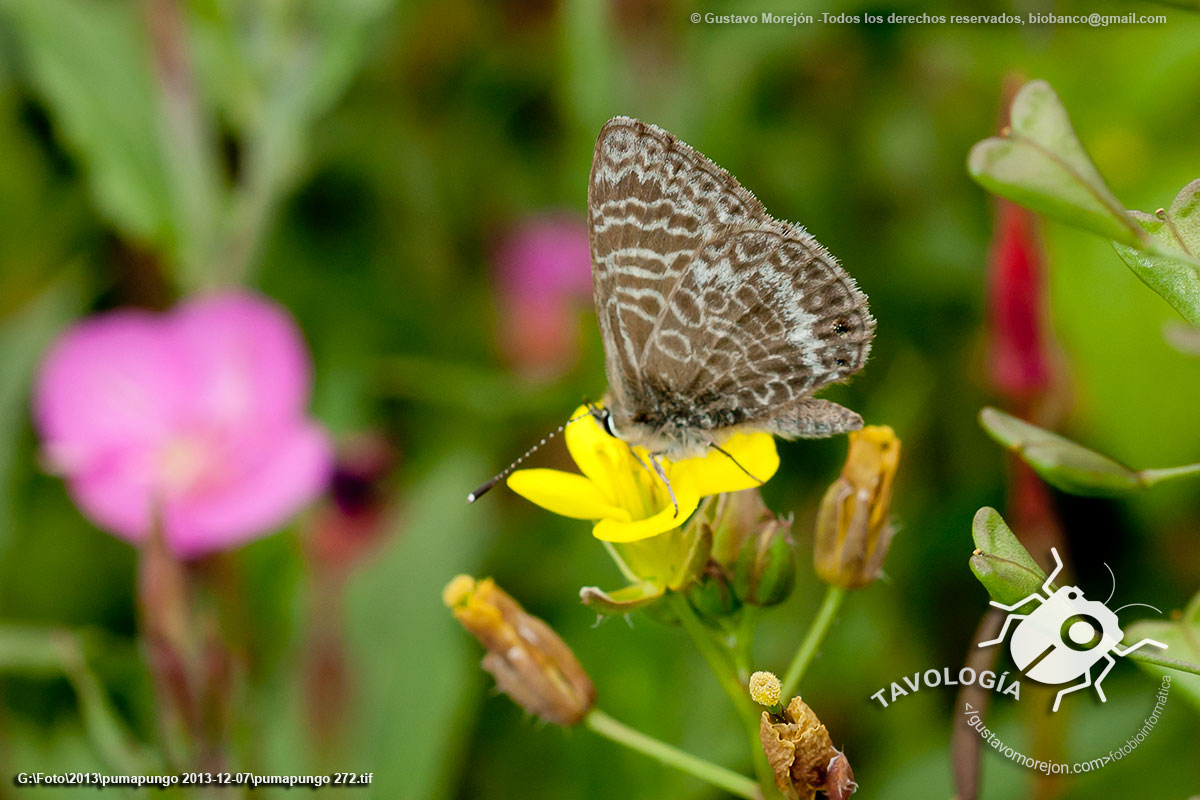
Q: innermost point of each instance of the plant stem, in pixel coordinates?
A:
(1152, 476)
(739, 695)
(743, 641)
(834, 596)
(732, 782)
(1165, 661)
(717, 661)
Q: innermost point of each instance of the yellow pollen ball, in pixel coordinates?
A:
(765, 688)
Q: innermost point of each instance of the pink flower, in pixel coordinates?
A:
(198, 416)
(544, 271)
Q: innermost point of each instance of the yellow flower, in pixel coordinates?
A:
(627, 500)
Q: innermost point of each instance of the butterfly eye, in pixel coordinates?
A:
(609, 425)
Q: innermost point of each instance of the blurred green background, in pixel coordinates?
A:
(380, 155)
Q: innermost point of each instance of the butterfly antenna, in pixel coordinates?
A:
(729, 455)
(485, 488)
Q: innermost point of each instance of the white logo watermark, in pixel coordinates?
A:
(1058, 643)
(1065, 636)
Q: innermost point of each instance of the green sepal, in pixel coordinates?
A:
(622, 601)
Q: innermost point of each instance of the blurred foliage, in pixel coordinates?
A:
(360, 160)
(1039, 163)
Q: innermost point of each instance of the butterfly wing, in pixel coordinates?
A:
(761, 319)
(652, 202)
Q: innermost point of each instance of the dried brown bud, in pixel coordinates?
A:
(839, 778)
(529, 661)
(853, 531)
(802, 755)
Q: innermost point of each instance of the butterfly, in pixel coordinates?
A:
(716, 317)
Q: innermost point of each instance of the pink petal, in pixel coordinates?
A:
(247, 359)
(112, 381)
(114, 492)
(547, 257)
(257, 498)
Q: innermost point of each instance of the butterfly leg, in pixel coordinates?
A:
(658, 470)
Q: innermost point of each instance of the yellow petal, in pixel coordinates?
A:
(615, 530)
(716, 472)
(595, 452)
(564, 493)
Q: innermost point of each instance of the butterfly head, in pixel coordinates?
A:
(605, 419)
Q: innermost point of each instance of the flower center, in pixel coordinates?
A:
(183, 462)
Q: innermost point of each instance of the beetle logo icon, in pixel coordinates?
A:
(1065, 636)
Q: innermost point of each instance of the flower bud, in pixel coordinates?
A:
(853, 531)
(765, 570)
(529, 661)
(711, 595)
(802, 755)
(733, 516)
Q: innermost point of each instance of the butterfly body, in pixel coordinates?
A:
(716, 317)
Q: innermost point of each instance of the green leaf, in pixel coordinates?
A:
(1061, 462)
(1182, 638)
(1001, 562)
(91, 63)
(1071, 467)
(622, 601)
(415, 670)
(24, 336)
(45, 651)
(1171, 269)
(29, 650)
(1039, 163)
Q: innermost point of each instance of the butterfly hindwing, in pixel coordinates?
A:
(761, 320)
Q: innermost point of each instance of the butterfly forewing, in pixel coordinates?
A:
(652, 201)
(714, 314)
